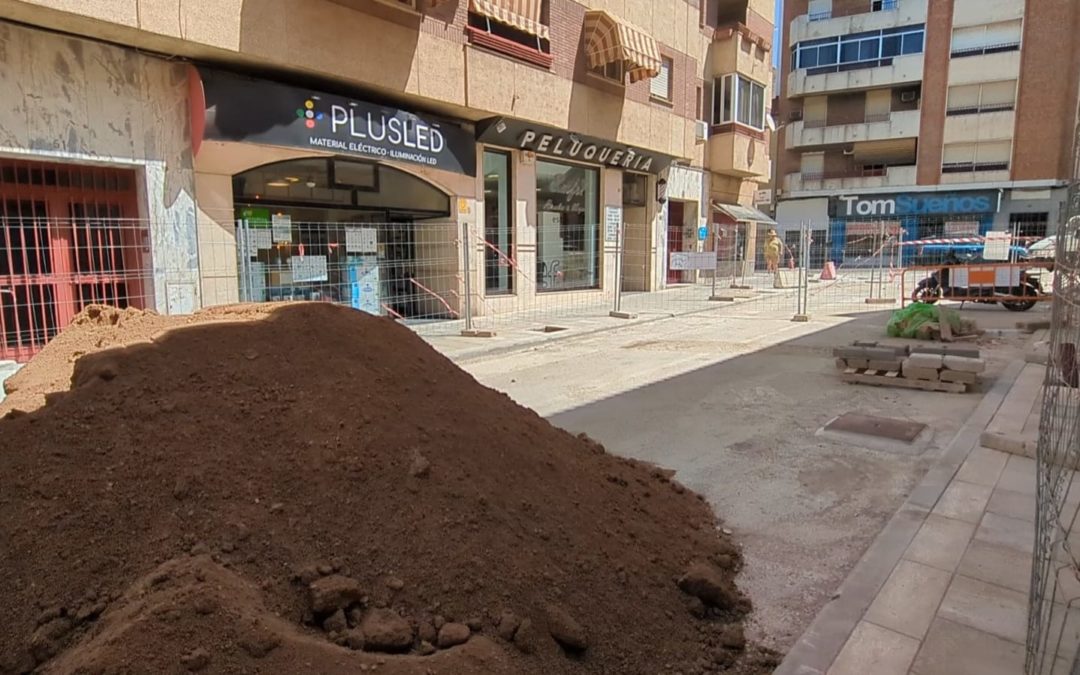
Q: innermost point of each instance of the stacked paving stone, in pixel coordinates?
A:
(951, 364)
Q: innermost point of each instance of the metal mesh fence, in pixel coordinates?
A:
(1054, 603)
(446, 278)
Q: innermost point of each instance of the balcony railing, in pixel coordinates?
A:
(877, 117)
(824, 15)
(972, 167)
(976, 109)
(987, 49)
(868, 171)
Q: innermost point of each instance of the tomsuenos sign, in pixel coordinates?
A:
(256, 111)
(914, 204)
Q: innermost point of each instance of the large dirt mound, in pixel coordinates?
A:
(99, 327)
(320, 491)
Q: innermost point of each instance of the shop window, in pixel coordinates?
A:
(498, 225)
(738, 99)
(568, 227)
(1029, 226)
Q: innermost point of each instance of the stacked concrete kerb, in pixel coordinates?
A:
(953, 367)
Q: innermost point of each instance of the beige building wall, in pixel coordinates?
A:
(424, 62)
(73, 100)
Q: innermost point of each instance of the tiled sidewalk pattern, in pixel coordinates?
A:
(956, 603)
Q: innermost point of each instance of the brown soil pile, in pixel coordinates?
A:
(322, 492)
(97, 328)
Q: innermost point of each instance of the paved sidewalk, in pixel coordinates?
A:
(944, 588)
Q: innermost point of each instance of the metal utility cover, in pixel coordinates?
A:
(882, 427)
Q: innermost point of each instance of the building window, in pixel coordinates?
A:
(971, 99)
(526, 39)
(568, 226)
(699, 99)
(858, 50)
(884, 5)
(991, 38)
(613, 72)
(738, 99)
(498, 225)
(660, 86)
(408, 4)
(972, 157)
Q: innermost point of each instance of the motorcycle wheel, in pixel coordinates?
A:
(926, 295)
(1019, 305)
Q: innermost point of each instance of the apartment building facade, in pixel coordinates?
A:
(181, 154)
(935, 118)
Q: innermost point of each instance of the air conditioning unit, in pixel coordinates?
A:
(701, 131)
(908, 96)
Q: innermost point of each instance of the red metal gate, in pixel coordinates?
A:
(70, 238)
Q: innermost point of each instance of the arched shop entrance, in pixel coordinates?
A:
(358, 233)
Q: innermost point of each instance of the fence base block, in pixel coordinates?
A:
(478, 333)
(801, 318)
(722, 298)
(622, 315)
(881, 301)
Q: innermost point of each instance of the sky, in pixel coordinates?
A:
(776, 34)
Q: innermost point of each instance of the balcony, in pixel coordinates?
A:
(736, 50)
(890, 177)
(738, 151)
(808, 133)
(824, 24)
(900, 70)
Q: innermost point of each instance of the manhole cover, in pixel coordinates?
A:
(882, 427)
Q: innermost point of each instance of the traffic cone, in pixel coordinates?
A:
(828, 273)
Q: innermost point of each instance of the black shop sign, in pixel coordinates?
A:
(257, 111)
(562, 144)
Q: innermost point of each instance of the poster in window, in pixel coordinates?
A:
(361, 240)
(308, 268)
(281, 225)
(612, 223)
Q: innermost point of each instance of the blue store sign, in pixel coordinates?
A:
(914, 204)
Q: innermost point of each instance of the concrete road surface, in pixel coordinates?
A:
(732, 403)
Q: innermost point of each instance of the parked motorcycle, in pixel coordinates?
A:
(936, 287)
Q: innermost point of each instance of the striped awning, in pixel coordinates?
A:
(521, 14)
(609, 39)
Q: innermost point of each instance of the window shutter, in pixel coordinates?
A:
(1002, 33)
(968, 38)
(958, 153)
(660, 86)
(813, 162)
(996, 152)
(963, 96)
(999, 93)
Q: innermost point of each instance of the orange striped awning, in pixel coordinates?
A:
(609, 39)
(521, 14)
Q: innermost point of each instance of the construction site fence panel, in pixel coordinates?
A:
(443, 277)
